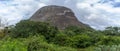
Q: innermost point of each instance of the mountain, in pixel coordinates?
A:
(58, 16)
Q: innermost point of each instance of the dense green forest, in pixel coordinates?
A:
(41, 36)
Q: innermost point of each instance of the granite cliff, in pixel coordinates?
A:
(58, 16)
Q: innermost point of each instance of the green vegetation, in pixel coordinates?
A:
(33, 43)
(29, 28)
(113, 31)
(40, 36)
(108, 48)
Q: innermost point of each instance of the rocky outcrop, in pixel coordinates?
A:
(58, 16)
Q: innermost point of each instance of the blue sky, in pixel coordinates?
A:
(96, 13)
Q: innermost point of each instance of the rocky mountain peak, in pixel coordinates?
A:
(58, 16)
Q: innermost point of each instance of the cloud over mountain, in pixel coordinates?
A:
(97, 13)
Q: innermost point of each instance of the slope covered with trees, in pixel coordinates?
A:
(41, 36)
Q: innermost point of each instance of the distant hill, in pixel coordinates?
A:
(58, 16)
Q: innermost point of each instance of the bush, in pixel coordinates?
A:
(76, 41)
(112, 31)
(32, 43)
(28, 28)
(12, 45)
(61, 39)
(108, 40)
(95, 36)
(2, 34)
(81, 41)
(73, 30)
(38, 43)
(108, 48)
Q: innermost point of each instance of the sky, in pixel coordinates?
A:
(96, 13)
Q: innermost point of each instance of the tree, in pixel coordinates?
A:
(81, 41)
(74, 30)
(27, 28)
(61, 39)
(112, 30)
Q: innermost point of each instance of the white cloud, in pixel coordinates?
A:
(83, 5)
(42, 4)
(100, 15)
(117, 0)
(97, 13)
(16, 10)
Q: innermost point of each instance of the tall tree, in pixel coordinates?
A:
(112, 31)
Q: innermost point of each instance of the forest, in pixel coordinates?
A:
(42, 36)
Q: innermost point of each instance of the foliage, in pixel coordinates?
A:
(108, 40)
(40, 36)
(28, 28)
(61, 39)
(114, 31)
(12, 45)
(33, 43)
(38, 46)
(108, 48)
(2, 34)
(78, 41)
(95, 36)
(81, 41)
(73, 30)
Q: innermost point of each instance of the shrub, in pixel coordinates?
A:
(73, 30)
(76, 41)
(12, 45)
(34, 42)
(81, 41)
(61, 39)
(2, 34)
(28, 28)
(38, 43)
(112, 31)
(108, 48)
(108, 40)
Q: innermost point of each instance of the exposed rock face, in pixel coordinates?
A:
(58, 16)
